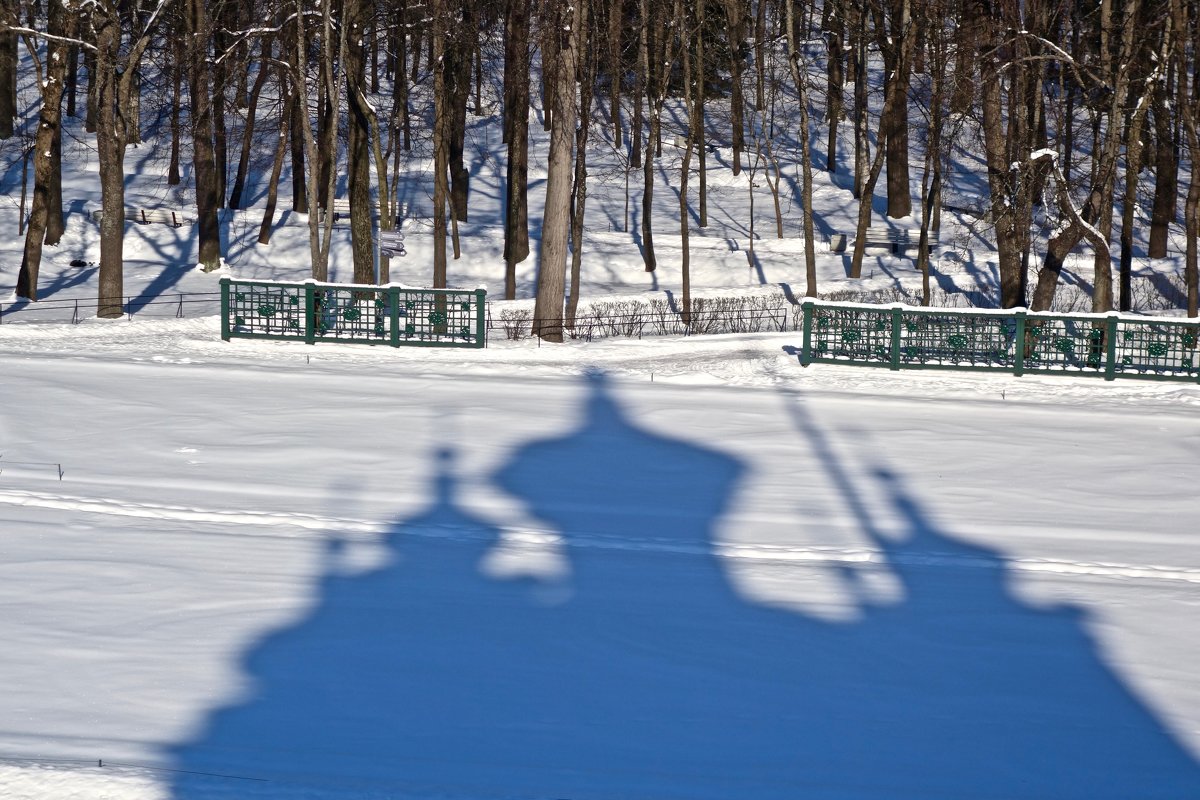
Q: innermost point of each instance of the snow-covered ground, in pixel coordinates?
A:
(623, 570)
(672, 568)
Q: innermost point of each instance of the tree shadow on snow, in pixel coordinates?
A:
(645, 674)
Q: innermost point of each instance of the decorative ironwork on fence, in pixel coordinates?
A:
(899, 337)
(392, 315)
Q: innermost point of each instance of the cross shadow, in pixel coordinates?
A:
(644, 673)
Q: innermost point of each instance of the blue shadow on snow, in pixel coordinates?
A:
(645, 674)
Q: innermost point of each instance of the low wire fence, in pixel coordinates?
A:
(76, 310)
(1019, 342)
(653, 317)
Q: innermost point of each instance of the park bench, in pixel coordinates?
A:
(149, 216)
(341, 211)
(897, 240)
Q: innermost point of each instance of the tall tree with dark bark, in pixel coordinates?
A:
(356, 18)
(516, 135)
(46, 217)
(260, 81)
(9, 18)
(115, 74)
(461, 37)
(204, 164)
(895, 34)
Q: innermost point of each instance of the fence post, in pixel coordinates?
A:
(1019, 345)
(393, 299)
(897, 326)
(310, 322)
(480, 311)
(806, 346)
(1110, 347)
(225, 308)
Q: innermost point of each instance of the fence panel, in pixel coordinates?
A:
(391, 315)
(1102, 345)
(1156, 349)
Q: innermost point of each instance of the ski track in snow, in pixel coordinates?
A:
(303, 524)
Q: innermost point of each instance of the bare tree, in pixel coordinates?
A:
(564, 21)
(516, 130)
(115, 75)
(204, 164)
(1186, 22)
(46, 218)
(586, 70)
(799, 70)
(355, 20)
(895, 33)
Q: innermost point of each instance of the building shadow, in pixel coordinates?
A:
(642, 672)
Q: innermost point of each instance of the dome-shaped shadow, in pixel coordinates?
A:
(654, 678)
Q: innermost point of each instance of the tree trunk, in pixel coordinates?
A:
(325, 158)
(698, 111)
(59, 23)
(894, 129)
(460, 44)
(835, 79)
(586, 67)
(93, 93)
(737, 104)
(548, 307)
(800, 78)
(299, 182)
(260, 80)
(72, 78)
(516, 122)
(1166, 175)
(173, 175)
(219, 75)
(616, 69)
(1188, 103)
(8, 68)
(357, 15)
(441, 143)
(862, 146)
(204, 165)
(864, 210)
(110, 146)
(264, 230)
(1007, 225)
(1133, 160)
(400, 81)
(689, 93)
(647, 160)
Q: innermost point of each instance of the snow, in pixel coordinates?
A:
(679, 567)
(675, 567)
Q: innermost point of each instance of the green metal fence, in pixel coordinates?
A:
(311, 312)
(1020, 342)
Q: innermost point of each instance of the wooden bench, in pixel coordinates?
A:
(896, 240)
(150, 216)
(341, 208)
(341, 211)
